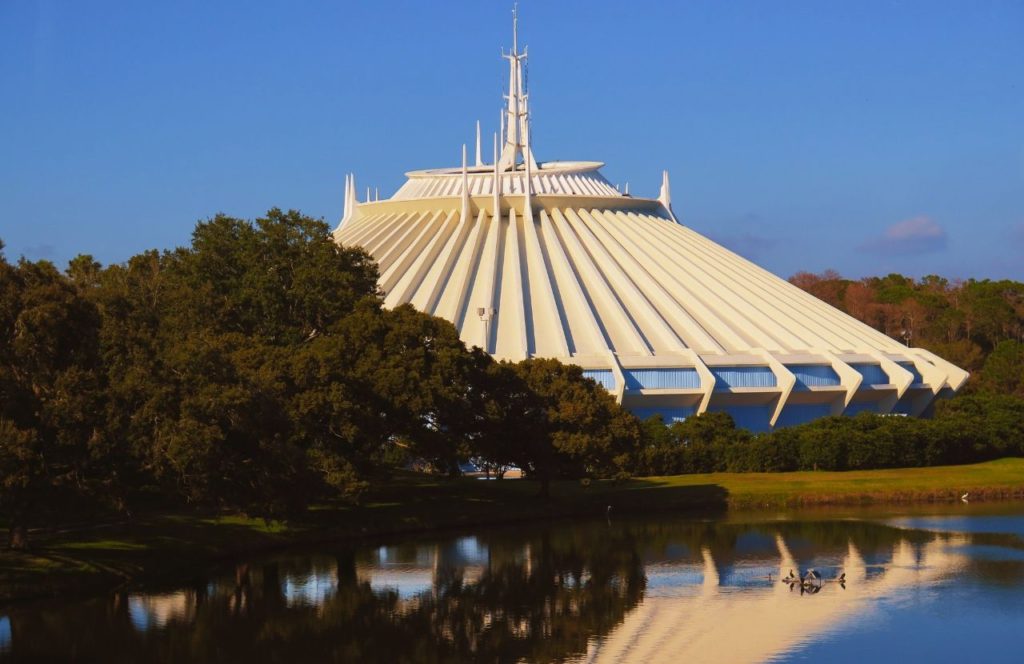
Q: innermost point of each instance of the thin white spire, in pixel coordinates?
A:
(349, 207)
(465, 185)
(517, 115)
(479, 155)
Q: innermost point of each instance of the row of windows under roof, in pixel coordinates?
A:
(807, 376)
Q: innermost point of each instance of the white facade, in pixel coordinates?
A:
(548, 259)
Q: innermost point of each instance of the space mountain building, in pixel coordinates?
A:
(548, 259)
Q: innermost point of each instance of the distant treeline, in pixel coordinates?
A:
(977, 325)
(258, 370)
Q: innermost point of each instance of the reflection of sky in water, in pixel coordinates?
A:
(5, 633)
(406, 580)
(959, 622)
(1003, 524)
(660, 577)
(990, 552)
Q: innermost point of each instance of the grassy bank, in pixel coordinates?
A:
(86, 559)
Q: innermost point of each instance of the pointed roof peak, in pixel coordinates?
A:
(516, 117)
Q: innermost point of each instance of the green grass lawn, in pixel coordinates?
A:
(96, 558)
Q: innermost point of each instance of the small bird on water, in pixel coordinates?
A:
(964, 497)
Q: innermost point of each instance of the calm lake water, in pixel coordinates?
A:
(938, 584)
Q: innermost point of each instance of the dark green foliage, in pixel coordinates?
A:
(549, 420)
(1004, 368)
(51, 392)
(965, 430)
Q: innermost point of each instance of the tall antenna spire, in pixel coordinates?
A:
(517, 115)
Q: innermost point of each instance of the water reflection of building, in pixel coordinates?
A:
(153, 611)
(695, 613)
(5, 633)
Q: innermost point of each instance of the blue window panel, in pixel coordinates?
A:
(669, 414)
(909, 366)
(902, 407)
(743, 377)
(861, 407)
(873, 374)
(802, 413)
(661, 378)
(755, 418)
(818, 375)
(604, 377)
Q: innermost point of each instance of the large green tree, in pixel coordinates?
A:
(51, 392)
(553, 422)
(201, 343)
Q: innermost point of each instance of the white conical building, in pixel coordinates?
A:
(549, 259)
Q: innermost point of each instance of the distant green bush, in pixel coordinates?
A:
(966, 429)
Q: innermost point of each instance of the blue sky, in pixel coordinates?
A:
(867, 137)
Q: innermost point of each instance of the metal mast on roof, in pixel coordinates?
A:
(517, 115)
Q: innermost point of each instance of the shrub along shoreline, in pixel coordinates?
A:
(151, 547)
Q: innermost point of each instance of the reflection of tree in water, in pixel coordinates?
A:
(531, 594)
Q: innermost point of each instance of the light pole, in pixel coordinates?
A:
(486, 314)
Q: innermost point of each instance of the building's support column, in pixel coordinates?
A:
(849, 378)
(707, 380)
(898, 376)
(933, 376)
(955, 376)
(784, 380)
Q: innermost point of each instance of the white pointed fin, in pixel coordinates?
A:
(349, 206)
(528, 189)
(479, 154)
(665, 196)
(784, 378)
(955, 376)
(899, 377)
(466, 201)
(496, 188)
(707, 380)
(849, 378)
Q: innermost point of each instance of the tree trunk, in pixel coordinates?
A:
(17, 537)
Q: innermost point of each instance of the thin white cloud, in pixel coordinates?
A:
(917, 235)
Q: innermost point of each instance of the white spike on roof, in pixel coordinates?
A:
(566, 266)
